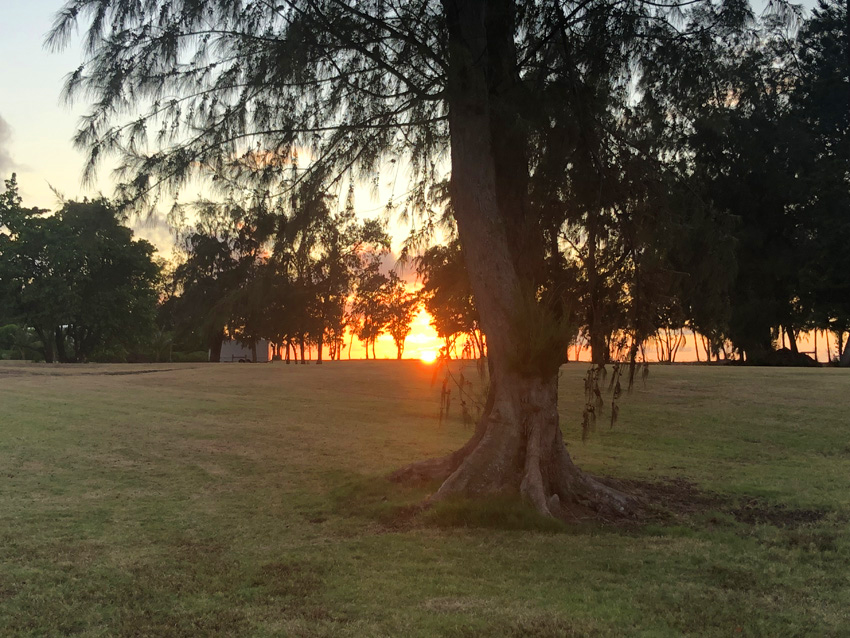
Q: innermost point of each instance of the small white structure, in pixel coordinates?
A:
(234, 351)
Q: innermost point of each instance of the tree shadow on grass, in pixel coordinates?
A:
(673, 503)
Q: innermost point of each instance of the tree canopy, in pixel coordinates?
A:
(77, 277)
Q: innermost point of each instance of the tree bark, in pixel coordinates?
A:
(517, 446)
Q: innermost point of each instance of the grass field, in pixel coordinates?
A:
(247, 500)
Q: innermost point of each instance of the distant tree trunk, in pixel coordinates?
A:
(792, 340)
(517, 445)
(633, 349)
(303, 346)
(59, 338)
(844, 360)
(319, 355)
(815, 333)
(599, 353)
(214, 347)
(706, 343)
(696, 345)
(253, 351)
(373, 348)
(46, 345)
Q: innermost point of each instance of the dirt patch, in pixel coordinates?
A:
(669, 496)
(677, 498)
(67, 372)
(756, 512)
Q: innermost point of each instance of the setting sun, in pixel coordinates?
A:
(428, 356)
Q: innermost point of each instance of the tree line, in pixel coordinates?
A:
(294, 273)
(717, 203)
(75, 286)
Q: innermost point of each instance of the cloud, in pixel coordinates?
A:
(407, 273)
(6, 163)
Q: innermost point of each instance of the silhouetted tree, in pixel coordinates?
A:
(447, 296)
(401, 307)
(360, 82)
(369, 306)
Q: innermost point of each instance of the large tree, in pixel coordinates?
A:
(229, 88)
(76, 277)
(820, 106)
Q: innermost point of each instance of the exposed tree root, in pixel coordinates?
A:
(518, 447)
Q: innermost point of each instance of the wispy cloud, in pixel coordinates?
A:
(6, 163)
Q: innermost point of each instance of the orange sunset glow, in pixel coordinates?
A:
(421, 343)
(428, 356)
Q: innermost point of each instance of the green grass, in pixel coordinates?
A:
(248, 500)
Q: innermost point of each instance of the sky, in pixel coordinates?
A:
(36, 129)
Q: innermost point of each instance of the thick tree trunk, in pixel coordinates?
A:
(517, 446)
(321, 344)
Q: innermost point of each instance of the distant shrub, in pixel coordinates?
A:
(190, 357)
